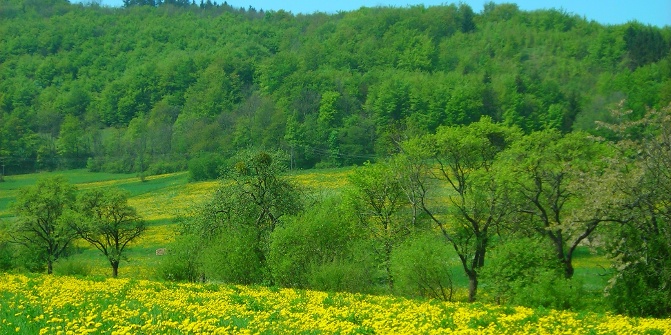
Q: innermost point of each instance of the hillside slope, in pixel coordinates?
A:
(148, 88)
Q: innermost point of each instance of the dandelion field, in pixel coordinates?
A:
(43, 304)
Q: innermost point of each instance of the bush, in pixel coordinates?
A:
(68, 267)
(636, 292)
(164, 167)
(639, 251)
(352, 275)
(525, 272)
(6, 256)
(181, 261)
(94, 164)
(317, 236)
(421, 267)
(25, 259)
(321, 249)
(205, 167)
(641, 285)
(233, 257)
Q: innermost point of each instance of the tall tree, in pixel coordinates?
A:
(70, 144)
(378, 201)
(137, 136)
(235, 225)
(477, 200)
(555, 178)
(106, 221)
(641, 244)
(40, 223)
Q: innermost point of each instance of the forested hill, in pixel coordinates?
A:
(150, 87)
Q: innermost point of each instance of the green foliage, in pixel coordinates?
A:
(234, 257)
(236, 224)
(354, 275)
(67, 267)
(26, 259)
(182, 260)
(378, 200)
(41, 225)
(333, 90)
(479, 194)
(104, 219)
(71, 147)
(640, 243)
(524, 271)
(644, 44)
(168, 166)
(556, 178)
(305, 244)
(552, 291)
(422, 268)
(205, 167)
(341, 89)
(640, 285)
(6, 256)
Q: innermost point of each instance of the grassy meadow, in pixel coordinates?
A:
(136, 303)
(40, 304)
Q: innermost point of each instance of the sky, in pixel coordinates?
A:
(653, 12)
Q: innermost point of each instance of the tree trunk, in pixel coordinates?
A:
(565, 259)
(568, 268)
(50, 266)
(472, 285)
(387, 266)
(480, 250)
(115, 268)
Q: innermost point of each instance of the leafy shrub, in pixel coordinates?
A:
(353, 275)
(636, 293)
(321, 249)
(233, 257)
(421, 267)
(315, 237)
(205, 167)
(94, 164)
(6, 256)
(68, 267)
(25, 259)
(525, 272)
(164, 167)
(642, 284)
(181, 263)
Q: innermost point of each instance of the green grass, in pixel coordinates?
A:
(137, 187)
(81, 176)
(12, 184)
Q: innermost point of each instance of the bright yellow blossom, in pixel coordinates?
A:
(64, 305)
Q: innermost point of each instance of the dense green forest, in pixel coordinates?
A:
(153, 88)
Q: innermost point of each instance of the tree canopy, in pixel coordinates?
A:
(149, 86)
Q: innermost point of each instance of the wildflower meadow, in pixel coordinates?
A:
(40, 304)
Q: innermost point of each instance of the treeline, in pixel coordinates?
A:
(152, 86)
(484, 201)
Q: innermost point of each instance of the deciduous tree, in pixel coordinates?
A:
(246, 208)
(641, 244)
(106, 220)
(378, 201)
(555, 178)
(476, 200)
(40, 224)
